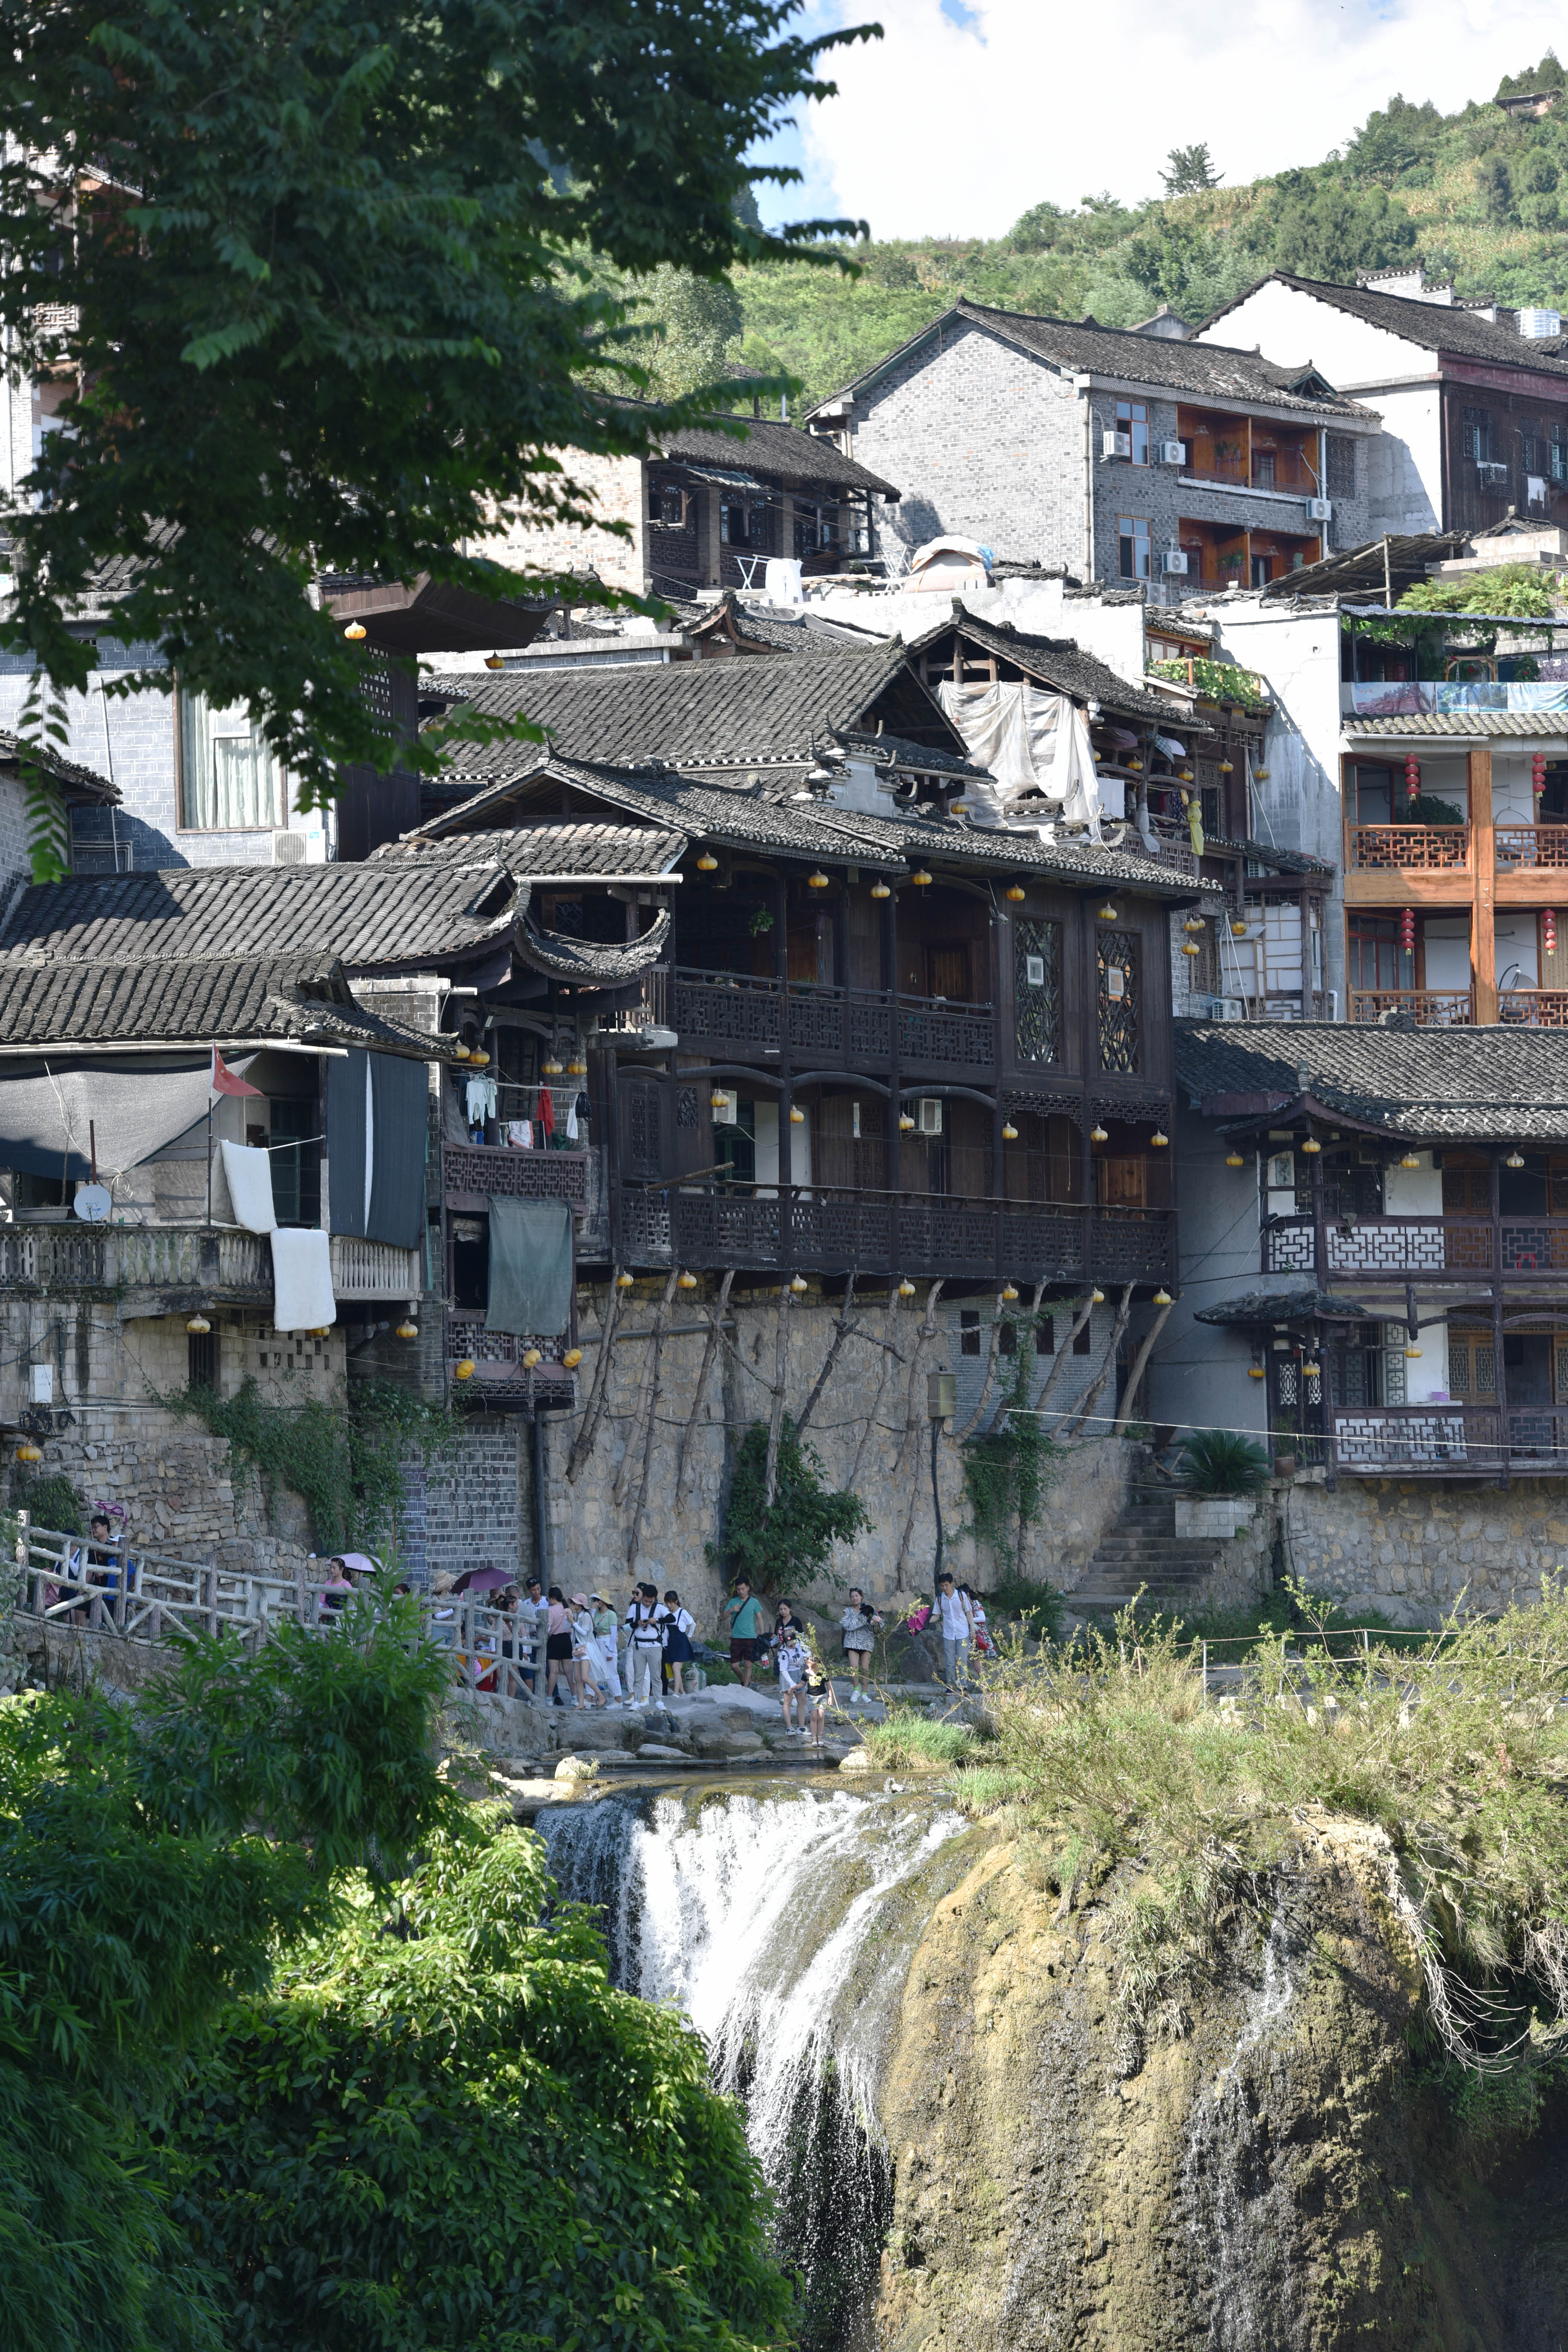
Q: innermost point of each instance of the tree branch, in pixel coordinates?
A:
(1091, 1394)
(825, 1374)
(1146, 1350)
(583, 1444)
(709, 1349)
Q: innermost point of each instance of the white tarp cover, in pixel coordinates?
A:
(248, 1171)
(302, 1279)
(1032, 740)
(132, 1113)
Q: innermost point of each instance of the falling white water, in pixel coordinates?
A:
(1237, 2205)
(777, 1925)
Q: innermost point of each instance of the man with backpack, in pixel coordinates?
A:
(644, 1646)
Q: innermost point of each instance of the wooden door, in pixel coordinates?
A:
(948, 971)
(1123, 1181)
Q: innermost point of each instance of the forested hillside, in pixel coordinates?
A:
(1475, 196)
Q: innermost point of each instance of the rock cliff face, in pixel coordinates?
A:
(1274, 2181)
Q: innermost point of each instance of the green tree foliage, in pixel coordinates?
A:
(1323, 228)
(1394, 142)
(318, 280)
(783, 1549)
(1518, 591)
(1009, 1471)
(1191, 171)
(1547, 75)
(457, 2137)
(151, 1859)
(696, 330)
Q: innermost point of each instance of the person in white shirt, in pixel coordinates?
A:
(791, 1657)
(977, 1615)
(957, 1620)
(859, 1626)
(644, 1646)
(678, 1627)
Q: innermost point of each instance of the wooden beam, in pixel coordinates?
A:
(1483, 876)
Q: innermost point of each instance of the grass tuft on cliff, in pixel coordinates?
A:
(1452, 1756)
(908, 1738)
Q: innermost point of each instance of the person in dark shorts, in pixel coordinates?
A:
(743, 1613)
(558, 1649)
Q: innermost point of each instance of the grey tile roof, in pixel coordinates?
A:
(922, 756)
(77, 783)
(1282, 1306)
(1472, 723)
(739, 818)
(591, 963)
(1202, 370)
(784, 452)
(802, 632)
(553, 851)
(188, 1000)
(363, 915)
(1431, 326)
(698, 714)
(1062, 663)
(1490, 1085)
(1367, 570)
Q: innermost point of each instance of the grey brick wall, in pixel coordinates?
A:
(476, 1508)
(982, 440)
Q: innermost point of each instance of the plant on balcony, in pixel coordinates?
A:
(1218, 1462)
(786, 1547)
(1220, 681)
(1426, 809)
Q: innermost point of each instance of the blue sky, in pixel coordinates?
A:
(968, 112)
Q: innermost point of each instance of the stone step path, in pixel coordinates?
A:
(1143, 1553)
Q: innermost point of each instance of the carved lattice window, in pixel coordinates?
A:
(686, 1109)
(1117, 955)
(645, 1141)
(1038, 988)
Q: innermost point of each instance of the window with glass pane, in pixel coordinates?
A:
(1119, 1022)
(296, 1154)
(1132, 418)
(1132, 542)
(229, 780)
(1038, 988)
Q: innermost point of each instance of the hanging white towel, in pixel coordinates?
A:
(248, 1171)
(520, 1134)
(572, 1122)
(481, 1094)
(301, 1280)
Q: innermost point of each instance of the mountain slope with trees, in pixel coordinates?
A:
(1477, 195)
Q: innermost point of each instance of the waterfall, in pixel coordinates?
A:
(784, 1926)
(1237, 2203)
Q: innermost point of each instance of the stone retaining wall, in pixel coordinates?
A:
(1415, 1549)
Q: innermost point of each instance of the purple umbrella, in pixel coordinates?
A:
(482, 1579)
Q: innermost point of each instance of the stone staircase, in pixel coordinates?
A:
(1143, 1553)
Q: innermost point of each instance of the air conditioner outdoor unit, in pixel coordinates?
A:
(727, 1112)
(1116, 444)
(1319, 509)
(1174, 560)
(928, 1114)
(1173, 452)
(1490, 469)
(288, 849)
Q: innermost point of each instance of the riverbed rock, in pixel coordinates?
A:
(657, 1751)
(715, 1746)
(858, 1760)
(577, 1767)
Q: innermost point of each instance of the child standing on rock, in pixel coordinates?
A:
(819, 1692)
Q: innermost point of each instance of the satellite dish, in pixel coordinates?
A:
(92, 1202)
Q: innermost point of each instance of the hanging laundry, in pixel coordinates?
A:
(481, 1099)
(572, 1120)
(546, 1113)
(520, 1134)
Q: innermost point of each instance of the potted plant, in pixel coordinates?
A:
(1220, 1477)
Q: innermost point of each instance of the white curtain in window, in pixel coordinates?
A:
(231, 780)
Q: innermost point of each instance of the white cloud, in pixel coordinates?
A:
(952, 127)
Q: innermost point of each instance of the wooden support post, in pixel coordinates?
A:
(1483, 884)
(775, 1411)
(656, 1351)
(1091, 1395)
(209, 1580)
(1139, 1363)
(299, 1601)
(1501, 1373)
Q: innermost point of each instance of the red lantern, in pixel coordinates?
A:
(1412, 777)
(1549, 930)
(1407, 931)
(1538, 773)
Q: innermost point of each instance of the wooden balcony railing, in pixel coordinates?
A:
(853, 1025)
(1409, 848)
(826, 1230)
(1534, 1008)
(1523, 845)
(499, 1374)
(1435, 1247)
(473, 1172)
(1431, 1008)
(1445, 1440)
(197, 1258)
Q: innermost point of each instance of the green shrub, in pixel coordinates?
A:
(1222, 1462)
(907, 1737)
(785, 1546)
(52, 1503)
(1038, 1605)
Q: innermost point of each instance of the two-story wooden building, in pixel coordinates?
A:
(1376, 1246)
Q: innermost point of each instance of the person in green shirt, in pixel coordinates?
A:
(743, 1613)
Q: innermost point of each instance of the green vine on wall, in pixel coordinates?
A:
(345, 1466)
(1008, 1472)
(1220, 681)
(781, 1549)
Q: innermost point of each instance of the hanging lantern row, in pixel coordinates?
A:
(1549, 930)
(1538, 773)
(1407, 931)
(1412, 777)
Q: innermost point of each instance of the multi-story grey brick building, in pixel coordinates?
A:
(1119, 454)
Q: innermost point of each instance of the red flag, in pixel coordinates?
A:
(225, 1082)
(546, 1112)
